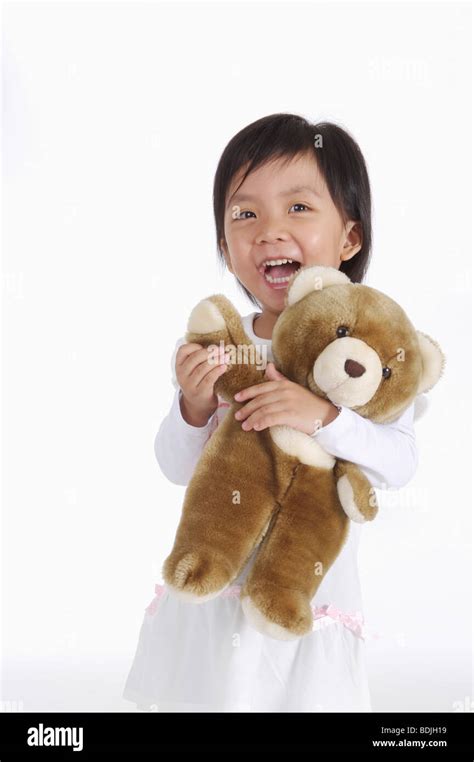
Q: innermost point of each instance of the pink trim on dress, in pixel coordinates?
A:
(354, 621)
(159, 592)
(322, 615)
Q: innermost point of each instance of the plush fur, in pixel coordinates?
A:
(278, 488)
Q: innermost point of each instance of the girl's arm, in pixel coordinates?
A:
(178, 445)
(385, 452)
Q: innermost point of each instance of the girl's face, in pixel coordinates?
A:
(283, 212)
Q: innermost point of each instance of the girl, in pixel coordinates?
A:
(287, 193)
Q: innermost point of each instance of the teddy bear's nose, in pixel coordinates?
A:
(353, 368)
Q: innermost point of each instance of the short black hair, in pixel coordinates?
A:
(340, 161)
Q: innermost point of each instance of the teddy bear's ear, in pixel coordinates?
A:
(433, 360)
(313, 278)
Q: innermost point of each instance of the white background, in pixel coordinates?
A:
(115, 116)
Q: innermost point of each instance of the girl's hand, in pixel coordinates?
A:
(197, 370)
(282, 402)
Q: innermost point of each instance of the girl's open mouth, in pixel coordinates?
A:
(277, 272)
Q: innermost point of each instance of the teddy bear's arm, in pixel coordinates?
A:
(356, 494)
(215, 320)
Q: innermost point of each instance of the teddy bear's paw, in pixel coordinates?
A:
(196, 576)
(206, 318)
(279, 613)
(357, 510)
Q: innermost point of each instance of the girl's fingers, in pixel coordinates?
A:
(198, 359)
(188, 361)
(258, 403)
(210, 377)
(269, 415)
(205, 369)
(185, 350)
(192, 354)
(257, 389)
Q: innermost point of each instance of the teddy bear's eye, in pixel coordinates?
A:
(386, 372)
(342, 331)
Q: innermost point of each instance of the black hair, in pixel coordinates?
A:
(286, 136)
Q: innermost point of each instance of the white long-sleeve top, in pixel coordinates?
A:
(385, 452)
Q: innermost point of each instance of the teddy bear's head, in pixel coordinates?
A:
(352, 345)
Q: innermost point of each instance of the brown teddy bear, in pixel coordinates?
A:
(347, 343)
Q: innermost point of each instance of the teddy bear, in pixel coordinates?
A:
(277, 489)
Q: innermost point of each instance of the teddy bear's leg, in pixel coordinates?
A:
(305, 539)
(355, 492)
(228, 503)
(214, 322)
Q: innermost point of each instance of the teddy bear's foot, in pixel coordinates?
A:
(278, 612)
(196, 576)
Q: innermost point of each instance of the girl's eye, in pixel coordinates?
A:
(242, 215)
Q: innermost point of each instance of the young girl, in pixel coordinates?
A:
(287, 193)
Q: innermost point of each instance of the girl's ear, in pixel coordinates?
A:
(225, 253)
(433, 360)
(312, 278)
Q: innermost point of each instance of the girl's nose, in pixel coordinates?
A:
(271, 232)
(271, 238)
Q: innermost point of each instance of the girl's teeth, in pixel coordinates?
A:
(277, 280)
(273, 262)
(277, 261)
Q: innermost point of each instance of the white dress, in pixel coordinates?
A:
(206, 657)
